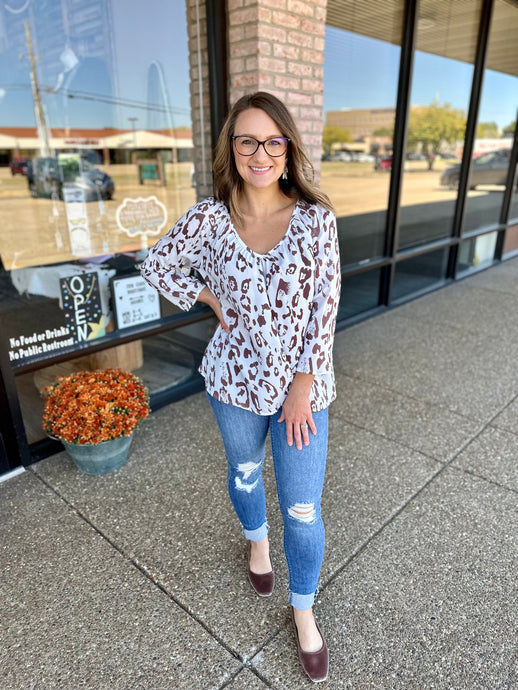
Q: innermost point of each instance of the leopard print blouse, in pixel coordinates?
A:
(280, 306)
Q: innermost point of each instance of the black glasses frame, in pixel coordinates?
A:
(259, 143)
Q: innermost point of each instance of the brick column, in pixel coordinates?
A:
(278, 46)
(200, 97)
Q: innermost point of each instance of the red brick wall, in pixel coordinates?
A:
(278, 46)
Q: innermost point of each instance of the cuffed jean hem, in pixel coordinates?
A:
(256, 534)
(302, 601)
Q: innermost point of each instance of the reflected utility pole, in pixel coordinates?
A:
(41, 122)
(133, 120)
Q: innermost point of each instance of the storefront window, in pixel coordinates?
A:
(511, 241)
(439, 101)
(496, 121)
(513, 211)
(419, 273)
(361, 64)
(360, 293)
(478, 252)
(97, 150)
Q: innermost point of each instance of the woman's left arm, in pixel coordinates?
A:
(317, 353)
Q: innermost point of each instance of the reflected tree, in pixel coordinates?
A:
(334, 135)
(433, 126)
(487, 130)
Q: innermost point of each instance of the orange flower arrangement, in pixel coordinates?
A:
(94, 406)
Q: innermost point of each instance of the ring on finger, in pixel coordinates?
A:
(303, 426)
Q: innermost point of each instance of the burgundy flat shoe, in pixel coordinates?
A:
(262, 584)
(315, 664)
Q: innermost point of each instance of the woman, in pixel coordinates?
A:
(267, 250)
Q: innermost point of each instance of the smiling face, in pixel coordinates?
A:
(260, 170)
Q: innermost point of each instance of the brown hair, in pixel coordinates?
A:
(300, 184)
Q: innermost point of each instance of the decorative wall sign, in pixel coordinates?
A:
(82, 306)
(141, 217)
(134, 301)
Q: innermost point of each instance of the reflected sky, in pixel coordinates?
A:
(99, 63)
(353, 65)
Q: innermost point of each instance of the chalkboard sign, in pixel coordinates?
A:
(134, 301)
(82, 306)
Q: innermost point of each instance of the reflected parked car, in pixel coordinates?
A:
(341, 156)
(490, 168)
(364, 158)
(19, 166)
(46, 176)
(383, 163)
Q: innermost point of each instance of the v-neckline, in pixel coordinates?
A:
(283, 238)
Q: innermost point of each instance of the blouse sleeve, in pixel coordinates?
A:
(173, 256)
(317, 353)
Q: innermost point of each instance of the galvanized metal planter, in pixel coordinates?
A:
(100, 458)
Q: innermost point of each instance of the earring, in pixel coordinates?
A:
(284, 175)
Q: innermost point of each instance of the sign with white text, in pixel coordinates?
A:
(82, 306)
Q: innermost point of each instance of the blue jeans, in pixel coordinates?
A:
(300, 477)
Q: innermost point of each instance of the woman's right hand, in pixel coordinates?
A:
(209, 298)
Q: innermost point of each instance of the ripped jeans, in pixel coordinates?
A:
(299, 475)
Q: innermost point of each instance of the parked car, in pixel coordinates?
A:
(364, 158)
(383, 163)
(47, 176)
(342, 156)
(490, 168)
(19, 166)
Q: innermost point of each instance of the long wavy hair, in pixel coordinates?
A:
(300, 184)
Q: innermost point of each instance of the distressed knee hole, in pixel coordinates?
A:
(304, 512)
(247, 468)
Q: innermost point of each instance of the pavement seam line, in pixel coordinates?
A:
(359, 549)
(472, 473)
(246, 662)
(250, 668)
(140, 568)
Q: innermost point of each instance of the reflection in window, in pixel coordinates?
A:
(360, 293)
(511, 241)
(439, 100)
(111, 89)
(106, 146)
(361, 65)
(478, 252)
(496, 121)
(419, 273)
(513, 211)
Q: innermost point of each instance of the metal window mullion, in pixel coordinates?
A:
(508, 194)
(217, 54)
(471, 129)
(399, 144)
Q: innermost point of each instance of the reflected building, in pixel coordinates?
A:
(362, 122)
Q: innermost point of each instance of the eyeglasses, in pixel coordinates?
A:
(247, 146)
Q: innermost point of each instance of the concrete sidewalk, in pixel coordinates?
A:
(136, 580)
